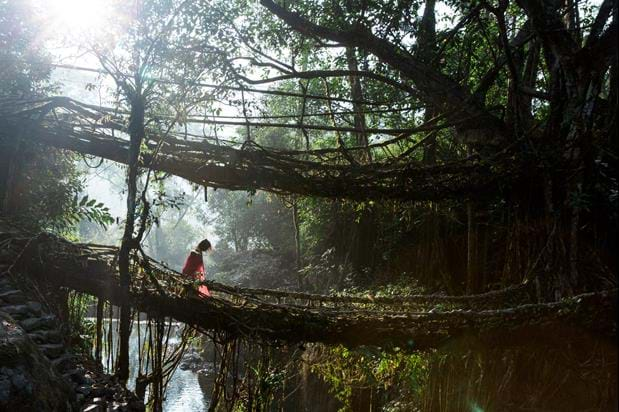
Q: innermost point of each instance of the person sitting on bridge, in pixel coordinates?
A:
(194, 265)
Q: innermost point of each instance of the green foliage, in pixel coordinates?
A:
(253, 268)
(324, 274)
(252, 221)
(86, 208)
(399, 376)
(81, 330)
(39, 186)
(406, 285)
(24, 64)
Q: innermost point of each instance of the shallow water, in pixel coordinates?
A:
(185, 393)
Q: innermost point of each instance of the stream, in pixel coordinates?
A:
(186, 392)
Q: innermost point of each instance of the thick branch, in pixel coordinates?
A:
(437, 89)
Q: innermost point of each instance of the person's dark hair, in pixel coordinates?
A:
(204, 245)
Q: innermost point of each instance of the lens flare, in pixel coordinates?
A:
(78, 17)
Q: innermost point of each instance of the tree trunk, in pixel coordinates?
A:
(363, 231)
(356, 94)
(99, 331)
(427, 52)
(471, 249)
(297, 234)
(136, 134)
(9, 173)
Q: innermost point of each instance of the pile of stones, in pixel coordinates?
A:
(38, 371)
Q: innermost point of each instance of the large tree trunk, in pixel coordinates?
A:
(576, 74)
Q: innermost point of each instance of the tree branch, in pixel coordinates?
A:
(313, 74)
(437, 89)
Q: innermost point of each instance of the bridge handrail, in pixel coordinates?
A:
(520, 292)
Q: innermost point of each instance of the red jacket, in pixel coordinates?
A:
(194, 268)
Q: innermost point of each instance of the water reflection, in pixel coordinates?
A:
(186, 392)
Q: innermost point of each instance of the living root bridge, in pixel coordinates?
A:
(156, 290)
(219, 164)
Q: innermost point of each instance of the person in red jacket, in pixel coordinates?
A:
(194, 265)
